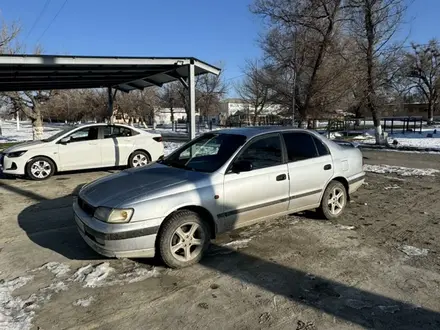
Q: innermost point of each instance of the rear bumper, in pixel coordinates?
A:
(116, 241)
(355, 182)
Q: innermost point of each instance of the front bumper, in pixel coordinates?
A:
(132, 240)
(13, 166)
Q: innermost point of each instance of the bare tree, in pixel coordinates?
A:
(211, 89)
(170, 97)
(31, 104)
(373, 23)
(423, 68)
(307, 29)
(254, 89)
(8, 37)
(28, 102)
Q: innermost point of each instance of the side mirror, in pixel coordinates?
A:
(242, 166)
(65, 140)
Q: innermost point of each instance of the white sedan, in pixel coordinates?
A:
(82, 147)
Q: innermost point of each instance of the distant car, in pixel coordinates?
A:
(217, 182)
(83, 147)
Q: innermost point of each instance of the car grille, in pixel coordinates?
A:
(86, 207)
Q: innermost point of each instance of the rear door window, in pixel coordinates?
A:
(116, 132)
(300, 146)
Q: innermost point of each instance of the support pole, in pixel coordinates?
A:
(110, 104)
(192, 100)
(17, 117)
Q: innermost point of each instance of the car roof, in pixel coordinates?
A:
(107, 124)
(250, 132)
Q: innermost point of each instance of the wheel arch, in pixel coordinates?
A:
(200, 210)
(138, 149)
(344, 182)
(42, 156)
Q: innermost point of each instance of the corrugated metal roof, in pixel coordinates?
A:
(46, 72)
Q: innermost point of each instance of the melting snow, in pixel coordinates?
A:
(169, 147)
(392, 187)
(85, 302)
(239, 244)
(346, 227)
(413, 251)
(399, 170)
(58, 269)
(93, 276)
(15, 313)
(12, 315)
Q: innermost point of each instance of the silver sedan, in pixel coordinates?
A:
(217, 182)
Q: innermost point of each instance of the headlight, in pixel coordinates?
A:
(16, 154)
(107, 214)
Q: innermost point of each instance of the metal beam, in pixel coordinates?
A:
(192, 100)
(136, 86)
(110, 104)
(152, 82)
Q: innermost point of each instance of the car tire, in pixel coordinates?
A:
(334, 200)
(139, 158)
(40, 168)
(178, 246)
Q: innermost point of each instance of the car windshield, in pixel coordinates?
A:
(61, 133)
(206, 153)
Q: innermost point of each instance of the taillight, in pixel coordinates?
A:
(158, 139)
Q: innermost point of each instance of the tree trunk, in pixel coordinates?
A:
(371, 90)
(377, 128)
(37, 128)
(430, 113)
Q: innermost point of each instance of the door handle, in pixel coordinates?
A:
(281, 177)
(327, 167)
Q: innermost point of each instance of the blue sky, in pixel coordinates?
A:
(212, 30)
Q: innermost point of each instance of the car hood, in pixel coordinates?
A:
(136, 184)
(24, 146)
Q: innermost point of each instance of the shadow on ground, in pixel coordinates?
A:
(50, 224)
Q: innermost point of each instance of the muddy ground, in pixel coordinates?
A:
(297, 272)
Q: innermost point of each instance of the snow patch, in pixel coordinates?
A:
(169, 147)
(239, 244)
(392, 187)
(427, 139)
(10, 133)
(84, 302)
(400, 170)
(57, 268)
(346, 227)
(413, 251)
(93, 276)
(12, 315)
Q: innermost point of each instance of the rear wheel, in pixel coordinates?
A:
(183, 239)
(333, 201)
(40, 168)
(138, 158)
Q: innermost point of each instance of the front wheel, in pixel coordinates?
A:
(183, 239)
(333, 201)
(40, 168)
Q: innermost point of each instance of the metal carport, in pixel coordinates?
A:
(47, 72)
